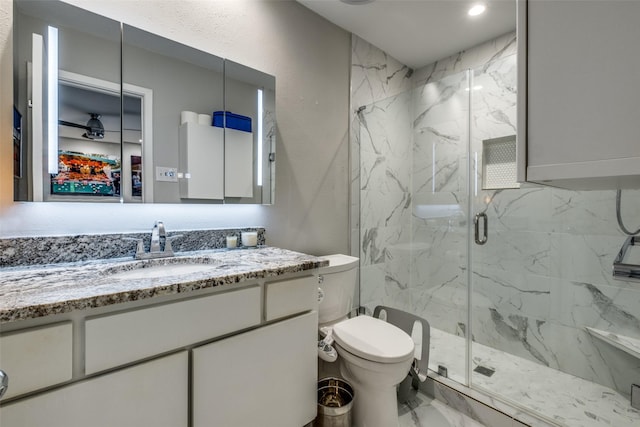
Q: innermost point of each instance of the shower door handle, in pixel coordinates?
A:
(485, 226)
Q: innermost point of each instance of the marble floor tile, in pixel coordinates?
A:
(559, 397)
(424, 411)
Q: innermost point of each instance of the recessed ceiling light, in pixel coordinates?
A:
(357, 2)
(477, 9)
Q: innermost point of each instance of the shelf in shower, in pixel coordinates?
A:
(627, 344)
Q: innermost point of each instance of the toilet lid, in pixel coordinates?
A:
(373, 339)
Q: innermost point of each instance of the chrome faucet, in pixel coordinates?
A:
(157, 232)
(156, 249)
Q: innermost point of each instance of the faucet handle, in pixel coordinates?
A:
(139, 246)
(168, 249)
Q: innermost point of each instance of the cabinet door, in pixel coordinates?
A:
(37, 358)
(265, 377)
(583, 93)
(201, 161)
(238, 163)
(151, 394)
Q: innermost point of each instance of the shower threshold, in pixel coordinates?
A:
(547, 393)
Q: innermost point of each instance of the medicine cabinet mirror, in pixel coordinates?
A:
(183, 126)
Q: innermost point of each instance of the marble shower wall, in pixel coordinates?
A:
(545, 273)
(376, 76)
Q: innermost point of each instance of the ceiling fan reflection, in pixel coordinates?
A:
(94, 127)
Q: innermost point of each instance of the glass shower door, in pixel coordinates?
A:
(414, 203)
(439, 251)
(505, 290)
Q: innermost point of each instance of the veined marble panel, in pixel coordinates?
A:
(484, 53)
(517, 252)
(440, 257)
(441, 101)
(385, 152)
(374, 74)
(593, 212)
(493, 91)
(586, 258)
(374, 77)
(520, 294)
(381, 291)
(516, 334)
(580, 304)
(525, 209)
(375, 243)
(439, 157)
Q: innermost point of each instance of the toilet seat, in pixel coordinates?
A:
(373, 339)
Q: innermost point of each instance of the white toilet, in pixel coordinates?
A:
(374, 356)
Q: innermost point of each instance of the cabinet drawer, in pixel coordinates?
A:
(150, 394)
(37, 358)
(123, 338)
(289, 297)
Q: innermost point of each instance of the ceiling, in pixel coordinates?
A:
(419, 32)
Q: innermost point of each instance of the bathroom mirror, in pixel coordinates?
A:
(67, 100)
(250, 134)
(160, 136)
(182, 158)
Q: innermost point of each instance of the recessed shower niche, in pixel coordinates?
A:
(499, 163)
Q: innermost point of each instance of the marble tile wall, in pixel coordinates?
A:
(545, 273)
(376, 76)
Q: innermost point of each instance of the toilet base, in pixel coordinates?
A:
(372, 406)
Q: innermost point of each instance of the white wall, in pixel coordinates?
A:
(309, 57)
(6, 106)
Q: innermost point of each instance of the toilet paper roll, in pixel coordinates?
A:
(204, 119)
(188, 117)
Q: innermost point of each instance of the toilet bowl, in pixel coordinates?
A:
(373, 355)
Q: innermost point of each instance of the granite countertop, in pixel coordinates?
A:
(43, 290)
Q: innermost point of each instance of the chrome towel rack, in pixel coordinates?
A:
(622, 270)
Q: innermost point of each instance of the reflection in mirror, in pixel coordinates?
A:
(250, 130)
(67, 97)
(161, 136)
(179, 88)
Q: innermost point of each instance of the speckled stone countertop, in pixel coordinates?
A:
(43, 290)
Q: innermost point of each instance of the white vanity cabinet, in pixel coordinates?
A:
(265, 377)
(583, 93)
(241, 355)
(149, 394)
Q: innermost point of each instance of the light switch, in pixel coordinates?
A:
(166, 174)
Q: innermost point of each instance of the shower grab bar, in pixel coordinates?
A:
(622, 270)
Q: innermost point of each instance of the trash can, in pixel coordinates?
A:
(335, 399)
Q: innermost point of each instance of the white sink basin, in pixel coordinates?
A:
(160, 268)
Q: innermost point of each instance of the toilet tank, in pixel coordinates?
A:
(338, 284)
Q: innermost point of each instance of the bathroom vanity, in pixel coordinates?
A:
(222, 337)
